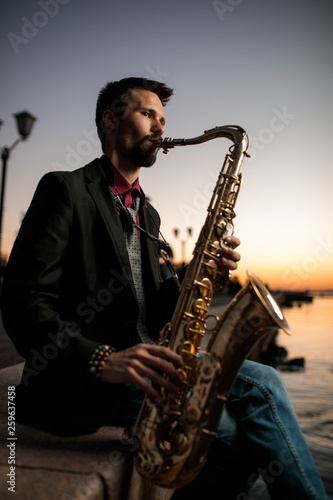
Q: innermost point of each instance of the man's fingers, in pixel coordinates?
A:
(165, 353)
(230, 254)
(133, 365)
(161, 360)
(137, 375)
(160, 380)
(232, 241)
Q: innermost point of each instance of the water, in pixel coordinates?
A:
(311, 389)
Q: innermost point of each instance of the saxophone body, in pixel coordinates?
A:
(175, 433)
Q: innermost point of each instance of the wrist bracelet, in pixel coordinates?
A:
(98, 359)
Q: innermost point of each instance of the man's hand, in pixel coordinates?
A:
(133, 364)
(229, 257)
(156, 363)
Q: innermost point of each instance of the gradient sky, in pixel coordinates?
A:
(264, 65)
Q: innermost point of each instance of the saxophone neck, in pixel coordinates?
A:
(232, 132)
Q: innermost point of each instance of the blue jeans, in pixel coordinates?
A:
(258, 434)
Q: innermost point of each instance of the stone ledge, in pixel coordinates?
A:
(39, 484)
(91, 467)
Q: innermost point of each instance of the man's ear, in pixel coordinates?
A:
(110, 120)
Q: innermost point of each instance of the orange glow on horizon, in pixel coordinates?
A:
(293, 277)
(308, 273)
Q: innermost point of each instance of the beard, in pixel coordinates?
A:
(141, 154)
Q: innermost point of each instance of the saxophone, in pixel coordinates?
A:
(175, 433)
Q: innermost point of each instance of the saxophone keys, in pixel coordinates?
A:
(215, 248)
(181, 443)
(208, 432)
(188, 350)
(226, 234)
(200, 308)
(224, 229)
(194, 330)
(229, 228)
(211, 322)
(205, 287)
(211, 267)
(191, 417)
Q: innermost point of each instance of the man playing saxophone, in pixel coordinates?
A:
(84, 276)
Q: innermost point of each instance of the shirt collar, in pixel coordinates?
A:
(122, 185)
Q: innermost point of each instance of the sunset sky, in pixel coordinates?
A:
(265, 65)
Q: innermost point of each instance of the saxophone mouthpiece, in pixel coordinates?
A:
(165, 144)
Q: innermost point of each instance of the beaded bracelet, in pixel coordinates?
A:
(98, 359)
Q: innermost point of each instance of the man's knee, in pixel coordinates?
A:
(263, 375)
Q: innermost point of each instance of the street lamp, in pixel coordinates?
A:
(24, 122)
(183, 242)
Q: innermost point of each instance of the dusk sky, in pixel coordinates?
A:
(266, 65)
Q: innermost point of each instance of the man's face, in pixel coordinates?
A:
(142, 124)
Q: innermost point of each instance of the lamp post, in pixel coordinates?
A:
(24, 122)
(183, 242)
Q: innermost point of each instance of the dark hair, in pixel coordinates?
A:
(116, 96)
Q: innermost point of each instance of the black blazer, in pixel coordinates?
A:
(68, 288)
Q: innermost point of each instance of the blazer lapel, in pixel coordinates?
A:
(98, 186)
